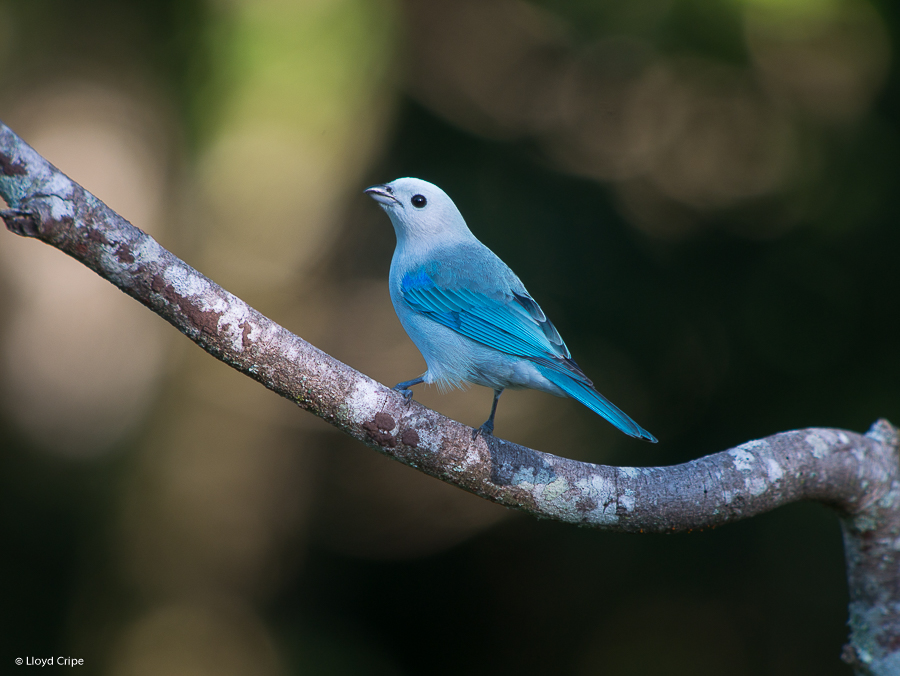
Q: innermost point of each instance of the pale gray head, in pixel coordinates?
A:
(419, 209)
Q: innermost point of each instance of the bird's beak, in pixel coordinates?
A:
(382, 194)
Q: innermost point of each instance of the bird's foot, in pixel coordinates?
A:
(486, 430)
(407, 394)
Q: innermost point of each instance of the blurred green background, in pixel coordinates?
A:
(700, 193)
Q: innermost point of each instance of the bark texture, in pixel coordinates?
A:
(855, 474)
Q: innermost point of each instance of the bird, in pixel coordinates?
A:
(469, 314)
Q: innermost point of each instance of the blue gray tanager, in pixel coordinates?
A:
(469, 314)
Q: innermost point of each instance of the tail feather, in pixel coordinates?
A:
(587, 395)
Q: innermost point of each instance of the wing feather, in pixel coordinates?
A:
(514, 324)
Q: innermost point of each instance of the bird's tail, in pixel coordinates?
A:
(587, 395)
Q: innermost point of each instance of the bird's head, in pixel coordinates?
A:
(419, 209)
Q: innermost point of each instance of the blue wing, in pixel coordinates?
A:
(510, 321)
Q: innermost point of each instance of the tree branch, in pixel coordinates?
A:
(855, 474)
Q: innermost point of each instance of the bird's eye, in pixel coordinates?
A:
(419, 201)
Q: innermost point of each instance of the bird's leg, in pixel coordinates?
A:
(487, 428)
(403, 388)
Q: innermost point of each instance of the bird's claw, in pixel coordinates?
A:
(484, 431)
(407, 394)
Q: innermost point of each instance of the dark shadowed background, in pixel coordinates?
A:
(702, 194)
